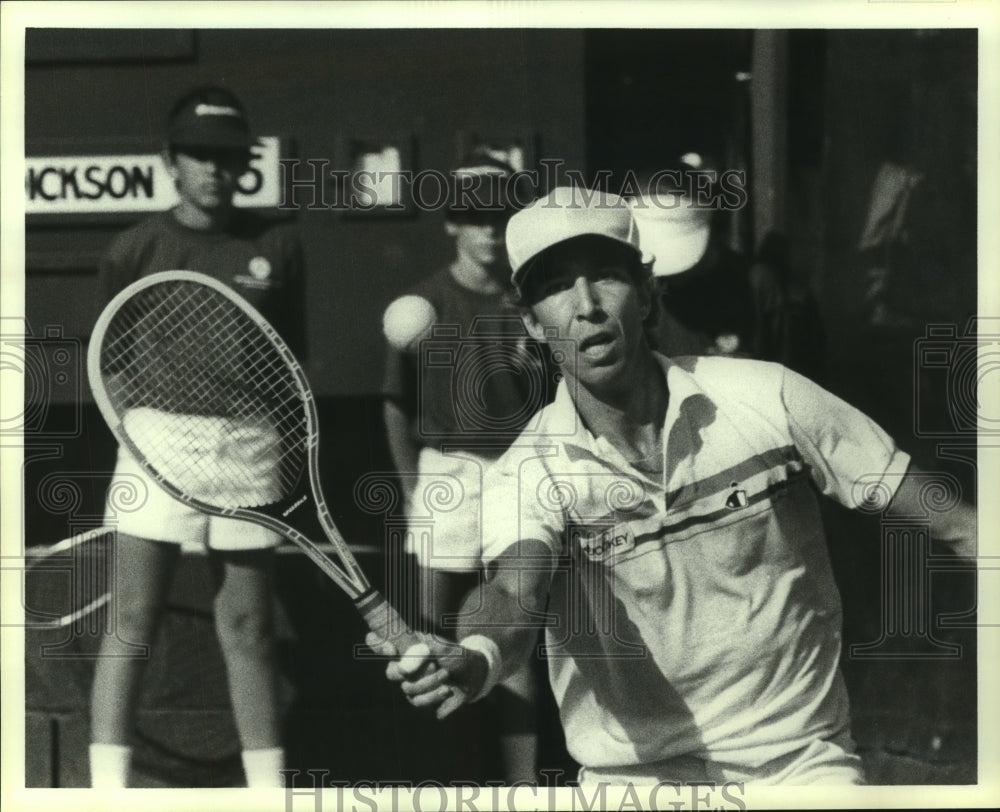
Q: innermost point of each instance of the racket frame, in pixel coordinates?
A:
(61, 556)
(347, 575)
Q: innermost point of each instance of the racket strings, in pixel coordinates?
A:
(190, 330)
(207, 383)
(206, 396)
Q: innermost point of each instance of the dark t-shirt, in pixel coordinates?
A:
(260, 260)
(478, 379)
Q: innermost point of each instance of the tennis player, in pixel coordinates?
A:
(208, 148)
(663, 525)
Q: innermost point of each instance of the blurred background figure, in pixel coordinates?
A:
(702, 284)
(446, 423)
(714, 299)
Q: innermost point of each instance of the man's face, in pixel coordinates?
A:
(479, 239)
(590, 298)
(206, 177)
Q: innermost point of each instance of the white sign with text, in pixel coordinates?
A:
(134, 183)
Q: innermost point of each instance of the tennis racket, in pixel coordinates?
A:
(210, 401)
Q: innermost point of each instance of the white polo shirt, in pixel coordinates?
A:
(697, 615)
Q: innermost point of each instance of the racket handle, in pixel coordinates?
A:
(383, 619)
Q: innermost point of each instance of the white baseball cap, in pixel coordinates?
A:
(671, 231)
(566, 212)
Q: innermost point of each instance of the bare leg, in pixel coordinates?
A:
(243, 623)
(144, 570)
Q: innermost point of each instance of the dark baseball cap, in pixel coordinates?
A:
(484, 187)
(209, 117)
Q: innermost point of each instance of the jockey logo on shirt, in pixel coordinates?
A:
(601, 543)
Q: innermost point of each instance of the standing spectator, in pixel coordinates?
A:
(449, 422)
(207, 148)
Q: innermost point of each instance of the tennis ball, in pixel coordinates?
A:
(408, 320)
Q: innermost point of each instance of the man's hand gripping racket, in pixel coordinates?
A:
(433, 673)
(211, 402)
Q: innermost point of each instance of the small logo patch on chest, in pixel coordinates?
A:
(737, 498)
(259, 276)
(259, 268)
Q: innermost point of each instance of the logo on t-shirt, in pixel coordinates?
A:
(602, 543)
(259, 268)
(216, 110)
(259, 276)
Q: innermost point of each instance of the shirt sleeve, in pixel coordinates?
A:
(516, 506)
(399, 379)
(115, 272)
(843, 447)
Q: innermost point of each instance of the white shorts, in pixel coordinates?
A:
(137, 505)
(823, 762)
(445, 512)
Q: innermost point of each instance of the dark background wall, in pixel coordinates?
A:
(847, 101)
(318, 88)
(908, 98)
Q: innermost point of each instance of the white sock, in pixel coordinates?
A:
(262, 766)
(109, 765)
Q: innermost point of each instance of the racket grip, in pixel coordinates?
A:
(383, 619)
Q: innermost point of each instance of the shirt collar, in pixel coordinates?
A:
(567, 425)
